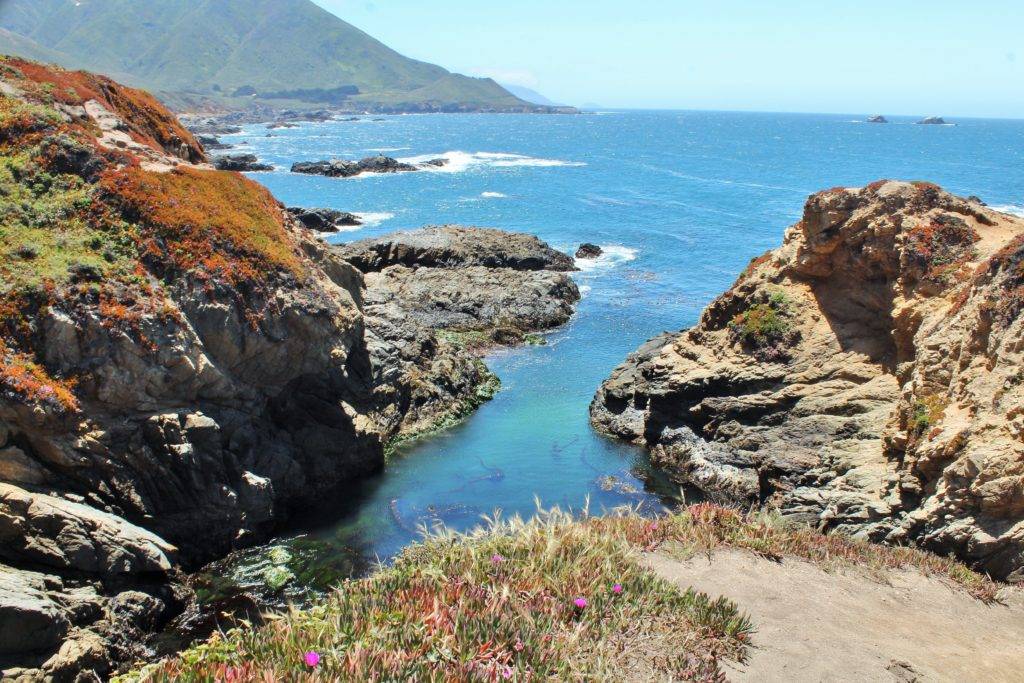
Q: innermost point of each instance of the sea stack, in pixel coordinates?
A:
(877, 118)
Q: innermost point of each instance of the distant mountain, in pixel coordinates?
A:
(236, 52)
(529, 95)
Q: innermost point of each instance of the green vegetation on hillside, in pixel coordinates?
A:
(213, 49)
(556, 597)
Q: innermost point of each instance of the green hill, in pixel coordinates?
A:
(237, 52)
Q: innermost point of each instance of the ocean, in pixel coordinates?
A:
(680, 203)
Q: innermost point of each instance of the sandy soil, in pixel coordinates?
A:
(818, 626)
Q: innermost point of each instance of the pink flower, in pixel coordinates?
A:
(617, 588)
(312, 659)
(506, 672)
(496, 558)
(518, 647)
(580, 602)
(654, 526)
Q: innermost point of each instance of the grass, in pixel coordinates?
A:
(500, 603)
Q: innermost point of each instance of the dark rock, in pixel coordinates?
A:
(240, 162)
(339, 168)
(932, 121)
(877, 118)
(210, 142)
(324, 220)
(588, 250)
(453, 246)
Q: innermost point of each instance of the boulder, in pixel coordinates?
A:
(588, 250)
(324, 220)
(240, 162)
(932, 121)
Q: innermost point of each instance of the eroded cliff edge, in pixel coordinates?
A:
(865, 377)
(182, 363)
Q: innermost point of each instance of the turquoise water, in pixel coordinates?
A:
(680, 200)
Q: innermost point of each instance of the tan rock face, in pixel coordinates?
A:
(864, 377)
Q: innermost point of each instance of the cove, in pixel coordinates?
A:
(680, 201)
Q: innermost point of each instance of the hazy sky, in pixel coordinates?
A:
(946, 57)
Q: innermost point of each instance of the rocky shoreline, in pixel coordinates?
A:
(193, 375)
(340, 168)
(862, 378)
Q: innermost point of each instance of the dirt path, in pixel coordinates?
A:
(845, 626)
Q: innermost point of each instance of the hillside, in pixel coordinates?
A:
(283, 51)
(183, 365)
(864, 377)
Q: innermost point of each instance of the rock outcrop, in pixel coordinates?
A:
(182, 364)
(239, 162)
(588, 250)
(340, 168)
(324, 220)
(481, 286)
(864, 377)
(932, 121)
(877, 118)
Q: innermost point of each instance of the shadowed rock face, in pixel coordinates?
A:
(863, 377)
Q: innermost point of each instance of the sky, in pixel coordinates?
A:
(914, 57)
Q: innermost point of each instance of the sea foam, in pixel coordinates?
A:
(1012, 209)
(611, 256)
(459, 161)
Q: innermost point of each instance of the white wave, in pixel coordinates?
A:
(459, 161)
(1012, 209)
(386, 149)
(611, 256)
(493, 195)
(371, 219)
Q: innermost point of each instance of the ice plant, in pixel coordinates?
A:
(312, 659)
(581, 603)
(617, 588)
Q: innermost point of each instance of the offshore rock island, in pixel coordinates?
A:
(862, 378)
(183, 363)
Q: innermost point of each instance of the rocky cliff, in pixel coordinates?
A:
(865, 377)
(181, 364)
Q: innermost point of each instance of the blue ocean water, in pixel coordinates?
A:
(681, 201)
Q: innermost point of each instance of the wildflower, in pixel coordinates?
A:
(617, 588)
(506, 672)
(654, 526)
(497, 558)
(312, 659)
(581, 603)
(518, 647)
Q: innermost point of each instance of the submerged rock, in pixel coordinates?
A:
(863, 377)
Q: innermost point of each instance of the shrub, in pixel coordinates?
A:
(765, 328)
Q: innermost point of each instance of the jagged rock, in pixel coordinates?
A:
(877, 118)
(883, 400)
(324, 220)
(588, 250)
(240, 162)
(932, 120)
(29, 620)
(339, 168)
